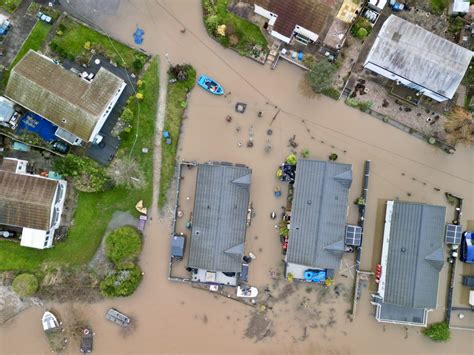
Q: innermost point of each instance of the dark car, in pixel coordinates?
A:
(60, 147)
(467, 247)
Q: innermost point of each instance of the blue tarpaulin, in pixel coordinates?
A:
(138, 35)
(36, 124)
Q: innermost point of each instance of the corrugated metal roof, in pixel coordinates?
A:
(59, 95)
(219, 218)
(415, 255)
(318, 217)
(419, 56)
(25, 200)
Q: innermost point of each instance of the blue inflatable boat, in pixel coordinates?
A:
(315, 275)
(210, 85)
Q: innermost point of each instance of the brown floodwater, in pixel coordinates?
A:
(175, 318)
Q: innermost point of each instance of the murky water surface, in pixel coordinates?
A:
(175, 318)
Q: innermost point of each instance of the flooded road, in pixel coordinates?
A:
(175, 318)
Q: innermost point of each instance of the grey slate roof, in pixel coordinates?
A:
(420, 56)
(219, 218)
(415, 255)
(396, 313)
(318, 217)
(59, 95)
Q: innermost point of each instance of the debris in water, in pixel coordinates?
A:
(260, 114)
(269, 132)
(239, 143)
(268, 147)
(249, 143)
(273, 215)
(228, 118)
(292, 142)
(240, 107)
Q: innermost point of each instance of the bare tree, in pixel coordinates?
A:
(459, 126)
(126, 172)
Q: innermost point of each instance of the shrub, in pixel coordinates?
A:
(123, 245)
(137, 64)
(333, 157)
(25, 285)
(364, 106)
(139, 96)
(291, 159)
(361, 23)
(211, 23)
(362, 33)
(305, 153)
(59, 33)
(438, 332)
(86, 174)
(321, 76)
(61, 27)
(309, 61)
(121, 283)
(87, 45)
(332, 93)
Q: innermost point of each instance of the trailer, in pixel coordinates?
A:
(117, 317)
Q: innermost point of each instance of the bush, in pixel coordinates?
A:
(332, 93)
(364, 106)
(123, 245)
(291, 159)
(138, 64)
(121, 283)
(361, 28)
(86, 174)
(362, 33)
(438, 332)
(25, 285)
(321, 76)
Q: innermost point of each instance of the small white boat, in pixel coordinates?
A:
(247, 292)
(49, 321)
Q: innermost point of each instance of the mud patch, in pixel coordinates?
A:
(260, 327)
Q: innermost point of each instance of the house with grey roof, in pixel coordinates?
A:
(77, 106)
(219, 223)
(418, 59)
(412, 258)
(30, 204)
(318, 217)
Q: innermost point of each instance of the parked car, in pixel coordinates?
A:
(467, 247)
(60, 147)
(43, 17)
(4, 27)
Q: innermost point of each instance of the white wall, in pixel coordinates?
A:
(270, 16)
(107, 111)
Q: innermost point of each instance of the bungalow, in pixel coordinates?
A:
(301, 20)
(418, 59)
(318, 217)
(77, 106)
(412, 258)
(31, 203)
(219, 223)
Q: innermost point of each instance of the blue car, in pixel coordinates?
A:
(467, 247)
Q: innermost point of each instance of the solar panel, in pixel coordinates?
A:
(353, 236)
(453, 234)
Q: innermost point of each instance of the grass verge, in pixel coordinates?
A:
(94, 210)
(438, 6)
(34, 41)
(240, 34)
(75, 41)
(175, 106)
(10, 5)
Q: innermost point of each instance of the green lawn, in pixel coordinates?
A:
(72, 44)
(175, 105)
(10, 5)
(241, 34)
(34, 41)
(94, 210)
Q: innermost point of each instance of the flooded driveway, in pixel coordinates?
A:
(175, 318)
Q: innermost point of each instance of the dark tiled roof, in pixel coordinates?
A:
(25, 200)
(318, 216)
(415, 255)
(59, 95)
(310, 14)
(219, 218)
